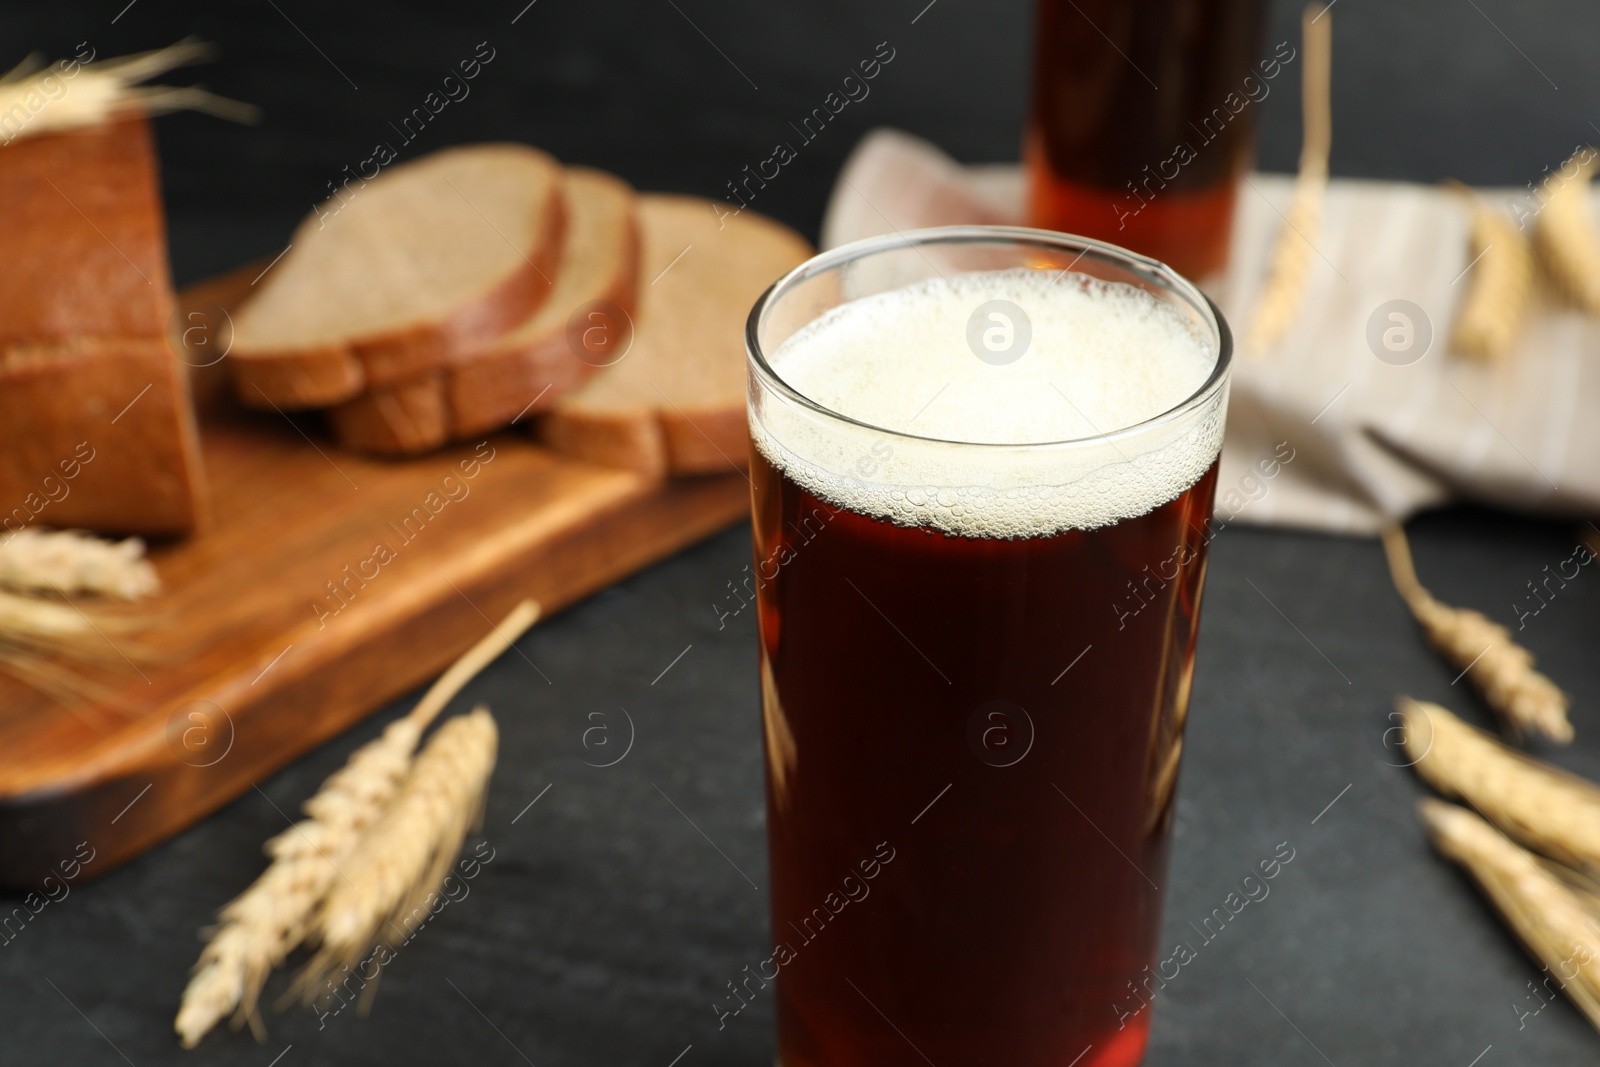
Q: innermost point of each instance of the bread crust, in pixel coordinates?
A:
(654, 443)
(298, 378)
(634, 440)
(487, 392)
(84, 235)
(98, 434)
(706, 442)
(96, 426)
(398, 421)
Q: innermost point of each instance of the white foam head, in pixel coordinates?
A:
(937, 392)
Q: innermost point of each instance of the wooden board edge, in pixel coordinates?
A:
(125, 813)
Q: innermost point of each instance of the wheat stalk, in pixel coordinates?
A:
(1550, 918)
(1292, 252)
(1543, 806)
(31, 627)
(66, 561)
(67, 687)
(1500, 669)
(35, 633)
(54, 98)
(1501, 289)
(1564, 232)
(266, 922)
(44, 625)
(407, 853)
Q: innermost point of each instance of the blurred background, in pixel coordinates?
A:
(606, 931)
(679, 95)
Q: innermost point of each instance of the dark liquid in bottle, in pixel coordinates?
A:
(1144, 121)
(969, 813)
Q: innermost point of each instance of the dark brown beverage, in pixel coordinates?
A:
(982, 487)
(1144, 117)
(1045, 682)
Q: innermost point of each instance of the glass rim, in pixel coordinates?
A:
(1151, 270)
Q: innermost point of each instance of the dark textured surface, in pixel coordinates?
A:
(607, 923)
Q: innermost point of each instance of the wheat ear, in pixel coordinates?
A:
(266, 922)
(1500, 669)
(1292, 252)
(66, 561)
(44, 625)
(100, 90)
(1501, 289)
(1540, 805)
(407, 853)
(1564, 232)
(1551, 920)
(37, 634)
(32, 629)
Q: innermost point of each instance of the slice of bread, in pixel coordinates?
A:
(676, 402)
(96, 427)
(532, 365)
(400, 275)
(545, 358)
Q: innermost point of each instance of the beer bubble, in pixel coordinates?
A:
(199, 733)
(999, 332)
(1399, 332)
(1000, 733)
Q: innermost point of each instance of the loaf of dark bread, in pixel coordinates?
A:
(96, 427)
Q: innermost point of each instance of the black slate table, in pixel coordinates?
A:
(621, 899)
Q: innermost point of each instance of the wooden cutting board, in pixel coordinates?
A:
(325, 585)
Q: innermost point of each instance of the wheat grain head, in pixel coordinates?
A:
(1550, 919)
(1501, 289)
(1564, 232)
(66, 561)
(1500, 670)
(1543, 806)
(406, 854)
(267, 921)
(270, 919)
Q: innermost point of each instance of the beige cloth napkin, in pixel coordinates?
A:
(1371, 439)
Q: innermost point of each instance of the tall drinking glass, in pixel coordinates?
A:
(983, 465)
